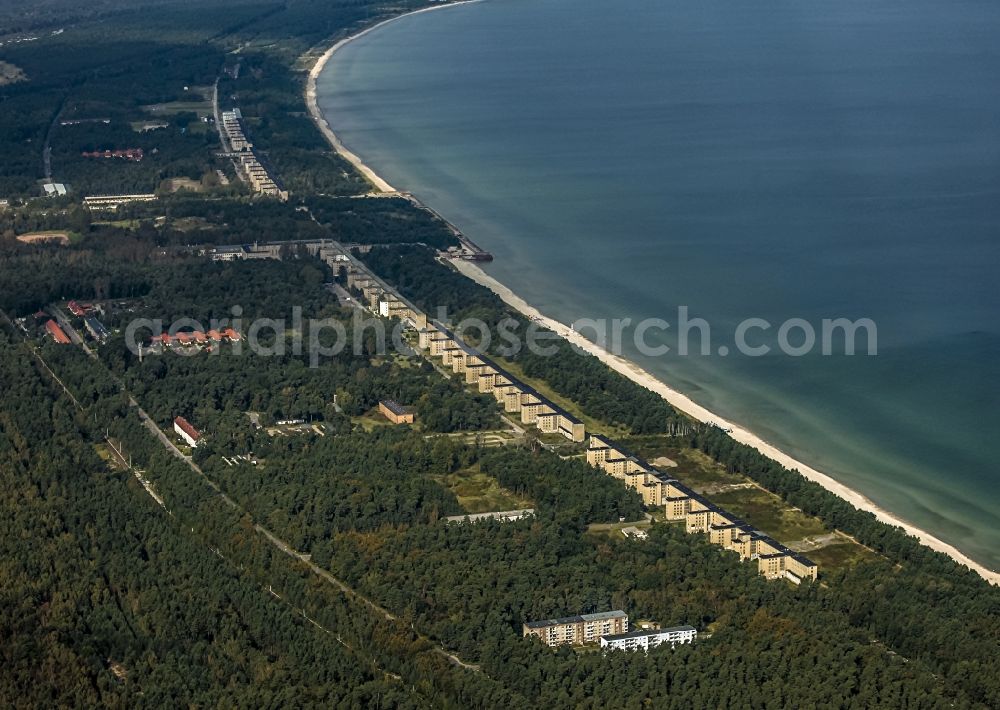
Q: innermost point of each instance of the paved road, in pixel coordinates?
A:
(345, 298)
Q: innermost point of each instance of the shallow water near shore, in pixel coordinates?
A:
(809, 160)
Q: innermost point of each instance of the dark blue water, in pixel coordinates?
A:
(777, 160)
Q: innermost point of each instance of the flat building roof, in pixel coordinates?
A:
(580, 618)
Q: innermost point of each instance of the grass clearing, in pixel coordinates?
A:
(372, 419)
(147, 126)
(599, 531)
(769, 513)
(104, 451)
(478, 492)
(696, 469)
(841, 555)
(50, 237)
(198, 100)
(182, 183)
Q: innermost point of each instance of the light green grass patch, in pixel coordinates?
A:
(841, 555)
(769, 513)
(478, 492)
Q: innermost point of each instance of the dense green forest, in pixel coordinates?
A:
(470, 586)
(106, 601)
(367, 505)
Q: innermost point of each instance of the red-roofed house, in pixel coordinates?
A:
(77, 309)
(200, 337)
(232, 334)
(57, 333)
(215, 336)
(185, 338)
(187, 432)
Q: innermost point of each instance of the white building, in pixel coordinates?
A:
(228, 253)
(113, 201)
(187, 432)
(504, 516)
(646, 640)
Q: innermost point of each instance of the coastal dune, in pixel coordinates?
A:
(627, 368)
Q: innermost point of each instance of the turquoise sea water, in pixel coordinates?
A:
(789, 159)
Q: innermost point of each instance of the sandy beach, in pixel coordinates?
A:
(677, 399)
(685, 404)
(317, 115)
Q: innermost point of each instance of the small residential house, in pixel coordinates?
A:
(187, 432)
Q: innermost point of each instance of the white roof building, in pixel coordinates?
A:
(503, 516)
(645, 640)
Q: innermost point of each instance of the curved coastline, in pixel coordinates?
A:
(627, 368)
(324, 126)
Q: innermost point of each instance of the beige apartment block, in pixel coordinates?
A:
(771, 565)
(577, 630)
(697, 520)
(514, 401)
(440, 345)
(530, 410)
(635, 479)
(487, 380)
(726, 536)
(439, 341)
(621, 466)
(547, 422)
(529, 413)
(473, 373)
(514, 396)
(676, 508)
(448, 353)
(572, 428)
(598, 451)
(800, 567)
(680, 503)
(652, 492)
